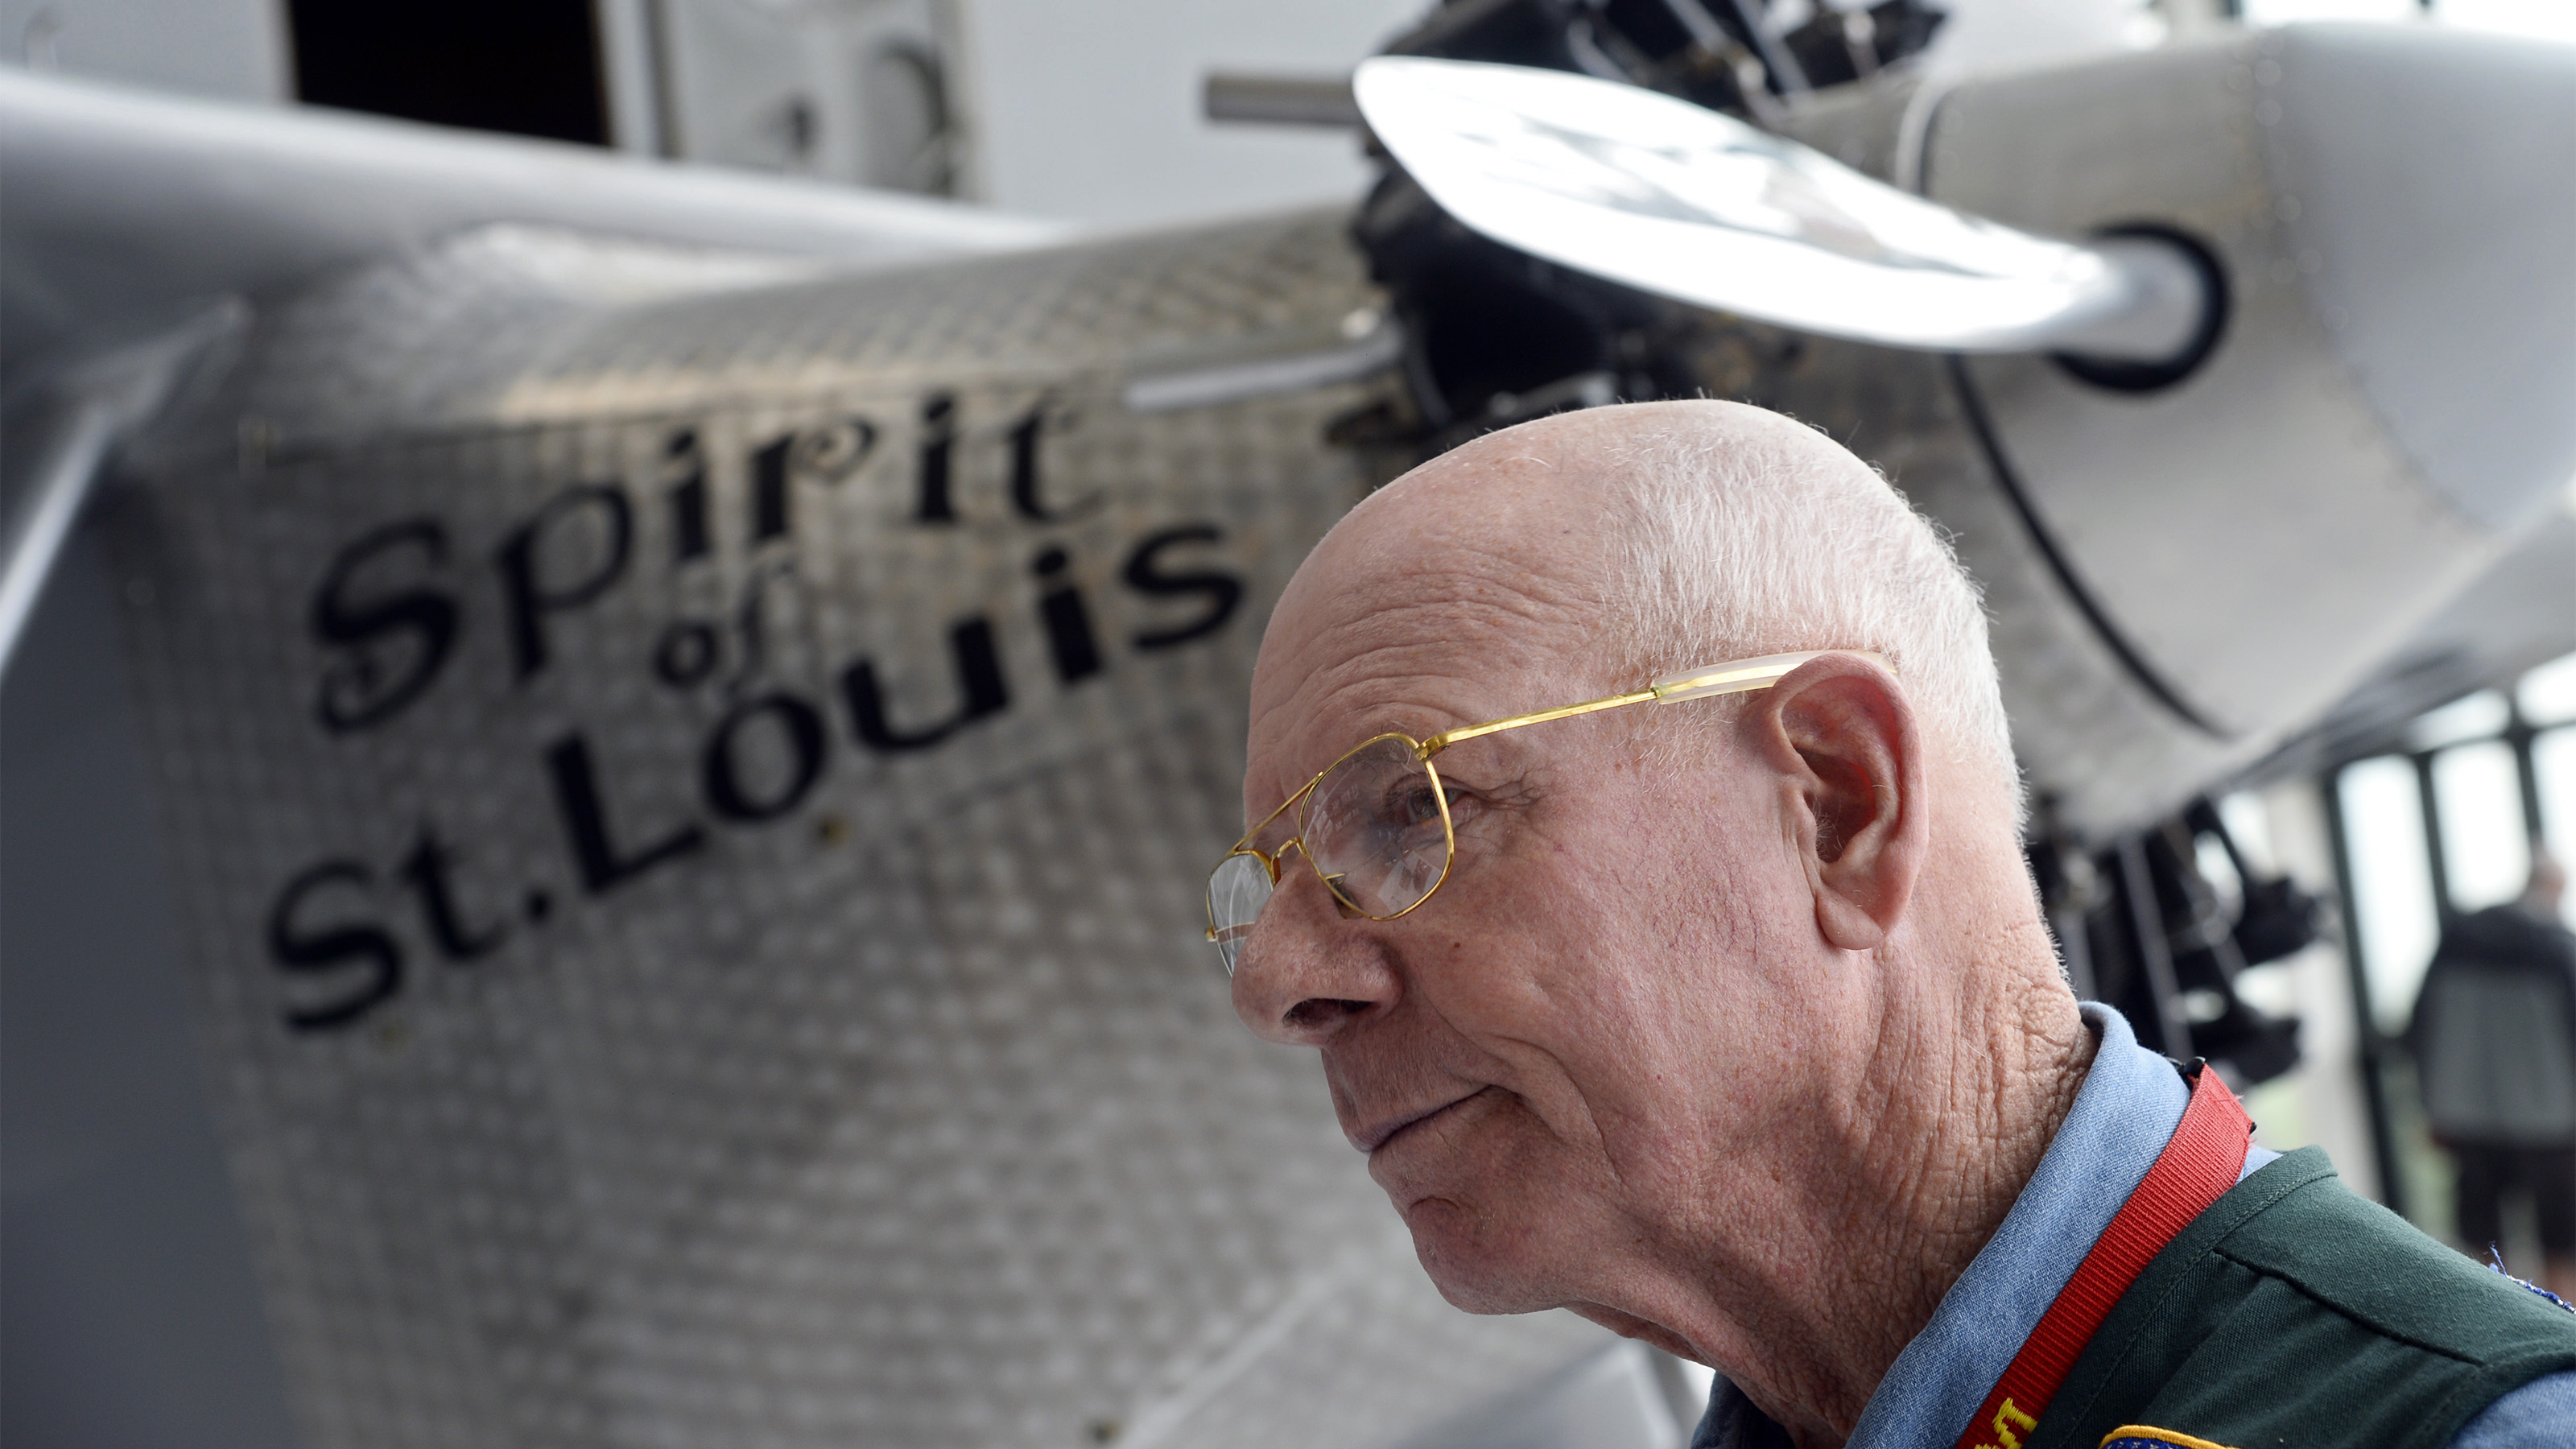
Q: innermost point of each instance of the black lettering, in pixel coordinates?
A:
(1068, 622)
(938, 446)
(430, 871)
(301, 951)
(689, 535)
(585, 822)
(769, 489)
(720, 770)
(1025, 486)
(689, 538)
(835, 452)
(391, 648)
(1146, 575)
(686, 655)
(829, 454)
(979, 684)
(529, 597)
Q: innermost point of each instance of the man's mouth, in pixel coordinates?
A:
(1386, 1130)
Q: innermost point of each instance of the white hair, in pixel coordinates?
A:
(1752, 534)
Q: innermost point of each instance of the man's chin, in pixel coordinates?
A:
(1475, 1273)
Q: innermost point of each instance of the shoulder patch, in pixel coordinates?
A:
(2140, 1436)
(2495, 1260)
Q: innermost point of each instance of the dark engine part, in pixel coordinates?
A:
(1723, 54)
(1496, 336)
(2146, 931)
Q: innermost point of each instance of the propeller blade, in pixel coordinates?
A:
(1670, 198)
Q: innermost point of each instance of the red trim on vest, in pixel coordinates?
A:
(2204, 1159)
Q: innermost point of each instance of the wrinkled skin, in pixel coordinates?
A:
(1741, 1045)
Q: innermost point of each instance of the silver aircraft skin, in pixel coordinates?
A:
(688, 714)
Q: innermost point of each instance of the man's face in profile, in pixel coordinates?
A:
(1526, 1058)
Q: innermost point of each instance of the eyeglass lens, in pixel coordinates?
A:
(1374, 829)
(1237, 890)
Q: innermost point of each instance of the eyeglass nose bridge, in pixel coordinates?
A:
(1275, 861)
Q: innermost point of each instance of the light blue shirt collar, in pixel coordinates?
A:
(2131, 1101)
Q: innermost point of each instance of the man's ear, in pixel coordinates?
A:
(1842, 736)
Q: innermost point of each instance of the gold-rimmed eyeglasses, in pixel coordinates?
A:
(1375, 826)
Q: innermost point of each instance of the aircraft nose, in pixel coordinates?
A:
(2428, 182)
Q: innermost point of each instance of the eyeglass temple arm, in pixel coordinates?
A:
(1744, 674)
(1446, 738)
(1733, 677)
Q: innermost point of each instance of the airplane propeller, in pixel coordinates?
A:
(1653, 192)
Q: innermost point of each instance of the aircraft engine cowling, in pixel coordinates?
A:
(2393, 214)
(2327, 270)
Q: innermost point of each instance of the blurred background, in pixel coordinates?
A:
(2303, 901)
(1061, 111)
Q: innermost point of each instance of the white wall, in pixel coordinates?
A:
(232, 48)
(2319, 1102)
(1090, 112)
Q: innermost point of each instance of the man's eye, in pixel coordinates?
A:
(1459, 800)
(1413, 804)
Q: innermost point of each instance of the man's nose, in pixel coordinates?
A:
(1309, 969)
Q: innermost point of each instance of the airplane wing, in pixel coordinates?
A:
(130, 210)
(138, 224)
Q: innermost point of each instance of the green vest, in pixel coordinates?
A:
(2293, 1313)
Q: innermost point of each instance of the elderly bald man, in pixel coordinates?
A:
(1636, 834)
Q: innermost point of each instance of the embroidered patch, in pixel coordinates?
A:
(2010, 1424)
(2495, 1260)
(2140, 1436)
